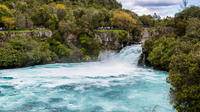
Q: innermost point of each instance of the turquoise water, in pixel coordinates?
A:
(113, 84)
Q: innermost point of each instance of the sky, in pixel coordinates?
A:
(161, 7)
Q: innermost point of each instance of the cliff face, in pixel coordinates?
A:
(10, 35)
(114, 40)
(110, 40)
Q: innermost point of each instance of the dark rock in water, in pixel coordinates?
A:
(154, 108)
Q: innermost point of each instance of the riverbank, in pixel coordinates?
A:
(22, 49)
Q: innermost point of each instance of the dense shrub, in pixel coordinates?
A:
(180, 55)
(89, 45)
(24, 51)
(147, 20)
(61, 50)
(184, 78)
(10, 57)
(193, 11)
(163, 49)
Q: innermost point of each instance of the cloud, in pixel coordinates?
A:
(156, 3)
(141, 10)
(161, 7)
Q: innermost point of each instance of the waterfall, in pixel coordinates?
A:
(129, 55)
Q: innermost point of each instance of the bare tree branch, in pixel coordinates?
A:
(184, 4)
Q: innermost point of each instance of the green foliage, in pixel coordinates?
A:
(20, 20)
(6, 19)
(184, 78)
(41, 16)
(193, 30)
(137, 33)
(122, 35)
(193, 11)
(24, 51)
(23, 31)
(61, 11)
(89, 45)
(61, 50)
(66, 26)
(180, 25)
(52, 22)
(8, 22)
(68, 16)
(91, 18)
(109, 4)
(163, 49)
(181, 19)
(147, 20)
(116, 31)
(10, 57)
(180, 55)
(4, 11)
(168, 22)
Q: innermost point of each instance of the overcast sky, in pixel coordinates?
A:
(161, 7)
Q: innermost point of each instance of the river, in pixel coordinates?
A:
(113, 84)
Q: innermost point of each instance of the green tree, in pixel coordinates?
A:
(6, 19)
(61, 11)
(41, 16)
(20, 20)
(163, 49)
(89, 45)
(184, 78)
(61, 50)
(147, 20)
(52, 23)
(193, 30)
(8, 22)
(5, 11)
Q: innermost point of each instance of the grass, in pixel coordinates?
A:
(110, 31)
(21, 31)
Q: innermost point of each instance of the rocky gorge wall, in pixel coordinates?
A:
(110, 40)
(9, 35)
(114, 40)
